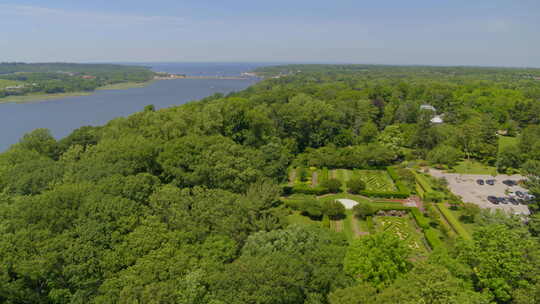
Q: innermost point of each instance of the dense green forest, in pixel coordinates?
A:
(51, 78)
(192, 204)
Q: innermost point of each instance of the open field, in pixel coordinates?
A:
(125, 85)
(8, 83)
(41, 97)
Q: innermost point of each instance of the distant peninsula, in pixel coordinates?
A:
(25, 82)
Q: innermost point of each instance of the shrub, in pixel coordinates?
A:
(356, 185)
(384, 194)
(326, 221)
(333, 209)
(311, 208)
(287, 190)
(470, 211)
(302, 174)
(332, 184)
(421, 220)
(432, 237)
(305, 189)
(370, 225)
(363, 210)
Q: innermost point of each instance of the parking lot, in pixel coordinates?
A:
(465, 186)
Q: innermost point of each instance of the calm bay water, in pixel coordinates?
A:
(64, 115)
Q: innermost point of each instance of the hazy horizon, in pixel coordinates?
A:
(447, 33)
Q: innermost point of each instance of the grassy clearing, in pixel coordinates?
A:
(299, 219)
(507, 141)
(125, 85)
(474, 167)
(42, 97)
(8, 83)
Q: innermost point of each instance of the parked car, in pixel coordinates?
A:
(513, 201)
(490, 182)
(492, 199)
(520, 194)
(503, 200)
(480, 182)
(509, 182)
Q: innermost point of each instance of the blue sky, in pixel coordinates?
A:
(437, 32)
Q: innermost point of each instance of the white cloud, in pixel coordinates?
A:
(37, 13)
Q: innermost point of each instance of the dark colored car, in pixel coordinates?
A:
(490, 182)
(492, 199)
(509, 182)
(503, 200)
(480, 182)
(513, 201)
(520, 194)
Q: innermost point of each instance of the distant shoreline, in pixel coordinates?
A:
(45, 97)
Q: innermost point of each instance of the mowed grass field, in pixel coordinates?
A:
(474, 167)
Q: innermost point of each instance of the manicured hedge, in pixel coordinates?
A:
(305, 189)
(384, 194)
(370, 225)
(389, 206)
(432, 237)
(453, 221)
(421, 220)
(423, 182)
(402, 188)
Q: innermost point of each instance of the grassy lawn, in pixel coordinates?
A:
(42, 97)
(347, 226)
(125, 85)
(474, 167)
(9, 83)
(297, 218)
(404, 228)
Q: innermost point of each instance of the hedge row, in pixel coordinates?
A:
(453, 221)
(384, 194)
(402, 188)
(370, 225)
(305, 189)
(421, 220)
(432, 237)
(423, 182)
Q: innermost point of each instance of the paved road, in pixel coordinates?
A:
(465, 186)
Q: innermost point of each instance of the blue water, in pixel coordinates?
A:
(64, 115)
